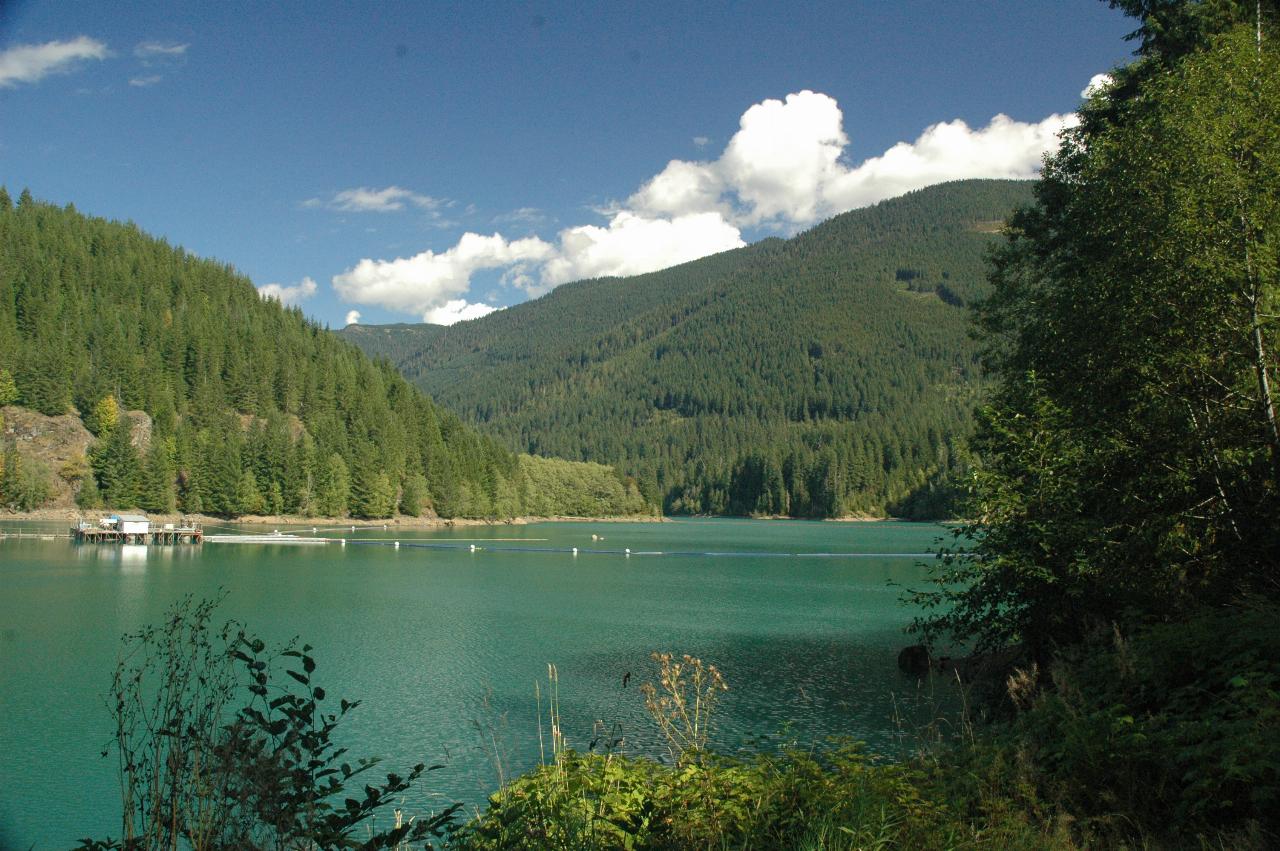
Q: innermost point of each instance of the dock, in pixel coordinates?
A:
(136, 529)
(269, 538)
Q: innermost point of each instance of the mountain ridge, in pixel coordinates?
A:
(256, 409)
(827, 374)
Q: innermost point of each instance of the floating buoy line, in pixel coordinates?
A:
(469, 545)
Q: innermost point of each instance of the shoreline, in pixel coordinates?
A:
(71, 515)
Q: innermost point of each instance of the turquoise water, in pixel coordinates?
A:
(802, 618)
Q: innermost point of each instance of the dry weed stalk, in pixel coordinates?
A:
(683, 702)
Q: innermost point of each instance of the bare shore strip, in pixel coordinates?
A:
(70, 515)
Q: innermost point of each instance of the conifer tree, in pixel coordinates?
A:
(248, 497)
(8, 389)
(334, 488)
(1153, 487)
(159, 492)
(116, 464)
(411, 495)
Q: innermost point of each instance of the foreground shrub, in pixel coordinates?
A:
(835, 797)
(217, 750)
(1176, 729)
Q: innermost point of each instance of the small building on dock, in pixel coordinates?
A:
(137, 529)
(132, 524)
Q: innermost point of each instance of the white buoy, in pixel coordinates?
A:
(628, 552)
(473, 548)
(575, 551)
(344, 542)
(353, 528)
(313, 530)
(397, 545)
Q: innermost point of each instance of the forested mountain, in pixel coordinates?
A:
(254, 409)
(827, 374)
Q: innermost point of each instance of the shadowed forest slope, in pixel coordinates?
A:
(827, 374)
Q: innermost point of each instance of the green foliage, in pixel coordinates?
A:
(334, 487)
(372, 494)
(24, 482)
(88, 495)
(104, 416)
(836, 797)
(412, 494)
(1130, 454)
(158, 491)
(8, 390)
(1176, 729)
(578, 489)
(99, 316)
(248, 498)
(118, 468)
(838, 800)
(1126, 498)
(200, 770)
(799, 377)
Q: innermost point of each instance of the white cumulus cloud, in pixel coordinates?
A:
(948, 151)
(457, 310)
(782, 157)
(632, 244)
(785, 168)
(286, 295)
(1097, 83)
(30, 63)
(353, 317)
(430, 280)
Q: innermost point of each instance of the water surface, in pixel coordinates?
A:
(802, 618)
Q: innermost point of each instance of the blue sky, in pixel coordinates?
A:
(411, 160)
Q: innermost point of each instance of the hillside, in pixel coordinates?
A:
(254, 409)
(823, 375)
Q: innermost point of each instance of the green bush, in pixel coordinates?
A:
(1176, 729)
(218, 750)
(835, 798)
(24, 482)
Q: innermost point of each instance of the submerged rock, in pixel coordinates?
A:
(915, 659)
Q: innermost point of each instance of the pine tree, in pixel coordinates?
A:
(334, 488)
(116, 464)
(159, 492)
(8, 389)
(104, 416)
(412, 494)
(24, 483)
(248, 497)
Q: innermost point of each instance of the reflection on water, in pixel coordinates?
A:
(133, 557)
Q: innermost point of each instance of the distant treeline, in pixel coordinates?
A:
(254, 408)
(828, 374)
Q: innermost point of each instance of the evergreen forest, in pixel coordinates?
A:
(252, 409)
(825, 375)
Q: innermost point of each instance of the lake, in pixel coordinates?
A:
(803, 618)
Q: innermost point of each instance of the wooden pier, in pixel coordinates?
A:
(185, 532)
